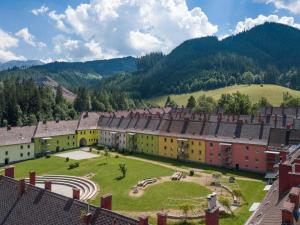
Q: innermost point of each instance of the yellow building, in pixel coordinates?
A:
(87, 131)
(167, 146)
(196, 150)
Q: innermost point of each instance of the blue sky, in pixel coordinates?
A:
(80, 30)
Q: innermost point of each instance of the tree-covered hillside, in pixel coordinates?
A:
(268, 53)
(75, 74)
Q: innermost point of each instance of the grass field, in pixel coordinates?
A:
(106, 173)
(273, 93)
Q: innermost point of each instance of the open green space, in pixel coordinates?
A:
(105, 172)
(273, 93)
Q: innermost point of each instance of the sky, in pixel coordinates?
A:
(83, 30)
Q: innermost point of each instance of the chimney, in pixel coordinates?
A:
(48, 185)
(22, 186)
(161, 218)
(294, 196)
(76, 193)
(87, 218)
(8, 127)
(32, 178)
(106, 201)
(287, 213)
(9, 171)
(143, 220)
(284, 184)
(212, 212)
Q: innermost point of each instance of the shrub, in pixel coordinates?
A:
(48, 156)
(116, 156)
(91, 149)
(192, 172)
(74, 165)
(67, 159)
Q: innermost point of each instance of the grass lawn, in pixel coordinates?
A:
(155, 198)
(273, 93)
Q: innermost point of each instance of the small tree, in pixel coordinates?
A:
(226, 203)
(191, 102)
(186, 209)
(248, 77)
(123, 169)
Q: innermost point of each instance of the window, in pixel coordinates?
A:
(21, 154)
(247, 148)
(246, 158)
(192, 143)
(211, 154)
(57, 142)
(211, 144)
(200, 152)
(171, 140)
(90, 132)
(165, 139)
(165, 147)
(28, 153)
(192, 151)
(6, 153)
(21, 147)
(28, 146)
(68, 137)
(73, 143)
(256, 160)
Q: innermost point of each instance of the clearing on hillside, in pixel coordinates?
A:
(273, 93)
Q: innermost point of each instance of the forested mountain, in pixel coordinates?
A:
(75, 74)
(19, 64)
(268, 53)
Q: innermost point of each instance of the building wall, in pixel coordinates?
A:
(56, 143)
(212, 155)
(196, 150)
(167, 146)
(16, 153)
(90, 136)
(249, 157)
(147, 143)
(105, 138)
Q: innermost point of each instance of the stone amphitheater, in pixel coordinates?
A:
(64, 185)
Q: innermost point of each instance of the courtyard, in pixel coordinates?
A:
(167, 195)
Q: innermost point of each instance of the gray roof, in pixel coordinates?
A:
(41, 207)
(16, 135)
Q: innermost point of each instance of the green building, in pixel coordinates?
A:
(55, 136)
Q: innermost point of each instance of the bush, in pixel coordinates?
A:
(48, 156)
(73, 165)
(116, 156)
(192, 172)
(91, 149)
(67, 159)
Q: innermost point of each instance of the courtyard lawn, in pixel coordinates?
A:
(105, 172)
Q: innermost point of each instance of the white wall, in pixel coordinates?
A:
(16, 153)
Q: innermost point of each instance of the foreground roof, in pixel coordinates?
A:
(37, 206)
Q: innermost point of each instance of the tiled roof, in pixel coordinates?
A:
(16, 135)
(269, 211)
(56, 128)
(88, 120)
(41, 207)
(277, 137)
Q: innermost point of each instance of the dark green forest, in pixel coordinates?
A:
(22, 102)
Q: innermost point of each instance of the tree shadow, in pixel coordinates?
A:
(119, 178)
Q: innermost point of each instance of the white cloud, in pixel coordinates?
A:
(29, 38)
(249, 23)
(132, 27)
(42, 10)
(76, 50)
(290, 5)
(7, 42)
